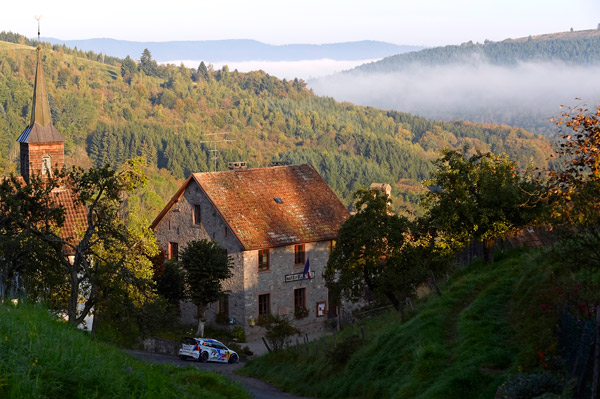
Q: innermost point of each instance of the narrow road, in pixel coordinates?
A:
(257, 388)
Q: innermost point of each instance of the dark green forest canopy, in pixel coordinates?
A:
(167, 113)
(577, 48)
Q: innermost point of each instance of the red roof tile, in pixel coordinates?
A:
(248, 201)
(75, 215)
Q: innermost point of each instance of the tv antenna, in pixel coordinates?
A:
(38, 17)
(219, 137)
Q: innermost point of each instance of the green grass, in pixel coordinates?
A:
(46, 358)
(461, 345)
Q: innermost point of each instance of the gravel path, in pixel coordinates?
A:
(257, 388)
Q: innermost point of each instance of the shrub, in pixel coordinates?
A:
(239, 334)
(340, 354)
(278, 328)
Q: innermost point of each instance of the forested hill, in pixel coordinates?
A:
(109, 113)
(576, 48)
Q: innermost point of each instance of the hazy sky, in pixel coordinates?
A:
(423, 22)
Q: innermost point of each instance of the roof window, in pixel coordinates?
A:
(278, 200)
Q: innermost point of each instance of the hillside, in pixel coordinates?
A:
(491, 321)
(520, 82)
(238, 50)
(167, 114)
(42, 357)
(576, 48)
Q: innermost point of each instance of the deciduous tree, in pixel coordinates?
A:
(372, 250)
(206, 265)
(479, 197)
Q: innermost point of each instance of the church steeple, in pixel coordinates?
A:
(42, 145)
(40, 110)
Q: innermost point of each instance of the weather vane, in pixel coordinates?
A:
(38, 17)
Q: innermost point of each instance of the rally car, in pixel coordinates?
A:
(207, 350)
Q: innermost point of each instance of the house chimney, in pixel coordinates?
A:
(237, 165)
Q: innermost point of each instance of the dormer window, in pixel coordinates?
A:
(46, 165)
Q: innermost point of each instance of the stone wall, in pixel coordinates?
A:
(247, 283)
(273, 282)
(159, 345)
(178, 226)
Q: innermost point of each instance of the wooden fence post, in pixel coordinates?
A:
(362, 331)
(268, 349)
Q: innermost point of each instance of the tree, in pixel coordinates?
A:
(203, 71)
(147, 64)
(371, 249)
(104, 252)
(575, 186)
(206, 265)
(479, 197)
(128, 69)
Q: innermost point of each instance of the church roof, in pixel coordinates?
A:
(40, 129)
(271, 207)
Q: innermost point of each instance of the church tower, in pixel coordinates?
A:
(42, 145)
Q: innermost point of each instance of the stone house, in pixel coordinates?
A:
(272, 221)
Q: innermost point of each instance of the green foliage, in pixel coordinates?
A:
(239, 334)
(170, 284)
(460, 345)
(279, 330)
(479, 197)
(371, 249)
(166, 115)
(206, 265)
(340, 354)
(42, 357)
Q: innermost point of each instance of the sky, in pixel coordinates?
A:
(423, 22)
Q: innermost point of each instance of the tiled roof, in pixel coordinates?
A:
(75, 215)
(274, 206)
(38, 134)
(248, 201)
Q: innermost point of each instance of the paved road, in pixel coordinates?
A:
(257, 388)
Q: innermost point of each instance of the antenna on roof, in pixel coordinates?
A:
(38, 17)
(214, 153)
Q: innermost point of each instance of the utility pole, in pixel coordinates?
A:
(219, 137)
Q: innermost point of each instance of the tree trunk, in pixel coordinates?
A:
(488, 251)
(73, 297)
(434, 283)
(201, 320)
(393, 300)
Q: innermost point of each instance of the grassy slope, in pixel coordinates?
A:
(461, 345)
(40, 357)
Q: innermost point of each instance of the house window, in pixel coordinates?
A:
(197, 215)
(46, 165)
(300, 310)
(226, 231)
(299, 254)
(264, 304)
(331, 246)
(263, 260)
(173, 251)
(223, 310)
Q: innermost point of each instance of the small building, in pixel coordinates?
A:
(42, 150)
(272, 221)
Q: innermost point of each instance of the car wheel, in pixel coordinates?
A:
(233, 359)
(203, 357)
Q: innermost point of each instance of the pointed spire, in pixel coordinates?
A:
(40, 110)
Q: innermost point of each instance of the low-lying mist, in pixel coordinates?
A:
(526, 95)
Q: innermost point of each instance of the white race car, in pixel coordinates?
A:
(207, 350)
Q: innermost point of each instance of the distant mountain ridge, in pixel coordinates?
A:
(238, 49)
(578, 47)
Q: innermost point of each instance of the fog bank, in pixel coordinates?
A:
(307, 69)
(526, 95)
